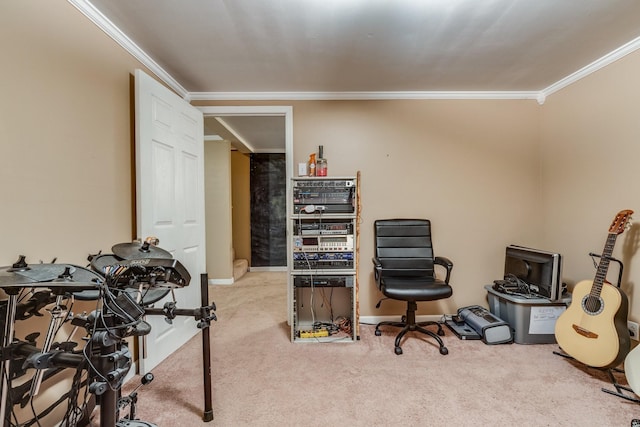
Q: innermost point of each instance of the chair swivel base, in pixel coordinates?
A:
(406, 328)
(409, 323)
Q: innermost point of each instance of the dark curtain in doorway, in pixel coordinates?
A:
(268, 210)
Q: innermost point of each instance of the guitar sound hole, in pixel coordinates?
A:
(592, 305)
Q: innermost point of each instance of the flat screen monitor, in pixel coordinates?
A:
(541, 270)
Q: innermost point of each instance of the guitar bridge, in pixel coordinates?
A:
(585, 333)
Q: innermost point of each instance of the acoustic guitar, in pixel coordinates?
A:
(593, 329)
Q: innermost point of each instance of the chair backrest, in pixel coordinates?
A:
(404, 247)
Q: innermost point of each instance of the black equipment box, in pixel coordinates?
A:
(462, 330)
(489, 327)
(308, 281)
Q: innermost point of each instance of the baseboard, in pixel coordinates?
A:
(256, 269)
(374, 320)
(228, 281)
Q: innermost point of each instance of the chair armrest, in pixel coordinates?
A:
(446, 263)
(377, 269)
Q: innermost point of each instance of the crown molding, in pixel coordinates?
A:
(609, 58)
(350, 96)
(86, 8)
(127, 44)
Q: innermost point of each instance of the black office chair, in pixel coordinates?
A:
(404, 269)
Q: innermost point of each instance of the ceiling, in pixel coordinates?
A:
(368, 49)
(248, 134)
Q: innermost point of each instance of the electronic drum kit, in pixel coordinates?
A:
(135, 276)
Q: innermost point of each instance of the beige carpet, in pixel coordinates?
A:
(260, 378)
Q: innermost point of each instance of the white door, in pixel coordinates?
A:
(170, 202)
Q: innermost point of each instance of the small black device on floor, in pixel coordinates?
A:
(476, 322)
(461, 329)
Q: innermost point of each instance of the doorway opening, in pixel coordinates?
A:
(266, 119)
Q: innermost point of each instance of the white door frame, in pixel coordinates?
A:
(268, 110)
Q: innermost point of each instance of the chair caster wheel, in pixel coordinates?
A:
(444, 350)
(378, 333)
(403, 319)
(398, 351)
(440, 332)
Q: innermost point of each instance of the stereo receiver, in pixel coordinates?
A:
(327, 226)
(324, 196)
(323, 281)
(323, 243)
(322, 260)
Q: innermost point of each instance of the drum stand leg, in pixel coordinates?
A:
(110, 361)
(58, 316)
(204, 315)
(7, 339)
(206, 352)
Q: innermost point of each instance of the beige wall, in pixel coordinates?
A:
(590, 151)
(217, 177)
(488, 173)
(65, 133)
(241, 201)
(470, 166)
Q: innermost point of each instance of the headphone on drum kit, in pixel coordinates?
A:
(123, 285)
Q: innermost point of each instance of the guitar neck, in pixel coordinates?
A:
(603, 265)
